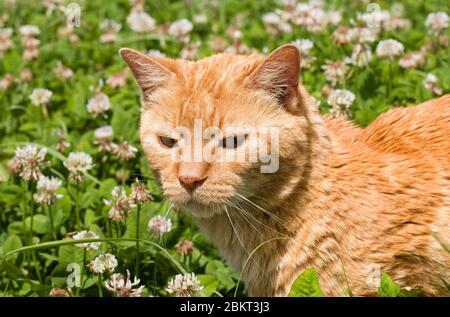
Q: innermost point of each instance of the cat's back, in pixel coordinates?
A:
(398, 170)
(420, 130)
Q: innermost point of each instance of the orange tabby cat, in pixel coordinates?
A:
(346, 201)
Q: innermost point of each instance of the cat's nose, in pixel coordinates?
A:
(192, 175)
(191, 183)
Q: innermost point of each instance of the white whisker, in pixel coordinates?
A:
(275, 217)
(234, 229)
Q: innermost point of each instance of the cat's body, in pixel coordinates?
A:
(369, 207)
(348, 202)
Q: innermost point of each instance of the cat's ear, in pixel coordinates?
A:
(278, 74)
(151, 72)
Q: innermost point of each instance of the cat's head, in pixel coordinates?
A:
(223, 129)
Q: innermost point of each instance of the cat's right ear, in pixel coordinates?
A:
(279, 75)
(150, 72)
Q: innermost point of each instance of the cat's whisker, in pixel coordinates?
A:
(261, 198)
(245, 216)
(238, 237)
(275, 217)
(260, 223)
(234, 229)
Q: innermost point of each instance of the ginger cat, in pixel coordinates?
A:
(345, 201)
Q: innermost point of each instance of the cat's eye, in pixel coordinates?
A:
(167, 142)
(232, 142)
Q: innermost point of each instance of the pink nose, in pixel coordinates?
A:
(192, 175)
(190, 182)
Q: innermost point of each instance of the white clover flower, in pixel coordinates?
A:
(6, 42)
(431, 83)
(159, 225)
(63, 71)
(362, 35)
(412, 60)
(184, 285)
(274, 23)
(397, 9)
(40, 96)
(340, 101)
(318, 20)
(47, 187)
(375, 19)
(335, 71)
(140, 21)
(184, 247)
(122, 287)
(124, 151)
(180, 28)
(103, 137)
(104, 263)
(271, 18)
(83, 235)
(303, 45)
(334, 17)
(28, 160)
(98, 104)
(311, 16)
(342, 35)
(139, 193)
(60, 292)
(200, 18)
(78, 163)
(5, 33)
(110, 29)
(361, 55)
(389, 48)
(29, 30)
(104, 133)
(156, 53)
(437, 22)
(121, 205)
(109, 25)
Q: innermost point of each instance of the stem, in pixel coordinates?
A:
(138, 212)
(36, 266)
(100, 286)
(123, 172)
(50, 215)
(82, 272)
(43, 119)
(389, 80)
(30, 233)
(77, 211)
(24, 212)
(119, 230)
(31, 213)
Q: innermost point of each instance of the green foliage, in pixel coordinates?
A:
(306, 285)
(388, 288)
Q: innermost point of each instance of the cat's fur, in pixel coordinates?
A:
(351, 201)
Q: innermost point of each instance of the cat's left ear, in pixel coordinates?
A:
(151, 72)
(279, 74)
